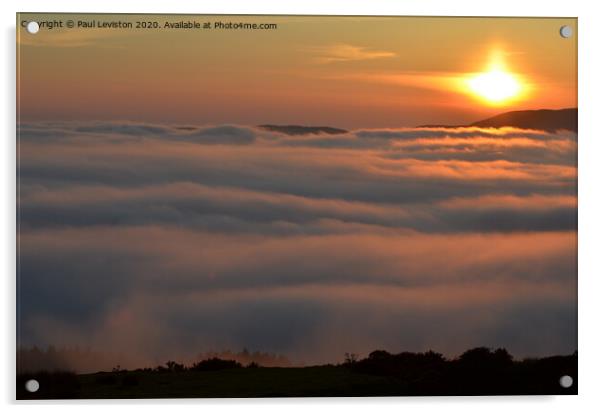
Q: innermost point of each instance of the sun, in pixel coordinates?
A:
(495, 86)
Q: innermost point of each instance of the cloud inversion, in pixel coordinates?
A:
(166, 241)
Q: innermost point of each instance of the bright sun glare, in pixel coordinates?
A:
(496, 85)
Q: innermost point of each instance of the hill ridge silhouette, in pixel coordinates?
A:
(549, 120)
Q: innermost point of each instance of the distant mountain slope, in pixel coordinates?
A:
(544, 119)
(303, 130)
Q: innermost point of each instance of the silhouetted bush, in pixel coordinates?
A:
(482, 357)
(483, 371)
(215, 364)
(379, 355)
(382, 363)
(478, 371)
(245, 357)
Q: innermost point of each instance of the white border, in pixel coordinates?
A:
(590, 205)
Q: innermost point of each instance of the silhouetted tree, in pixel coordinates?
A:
(173, 366)
(350, 358)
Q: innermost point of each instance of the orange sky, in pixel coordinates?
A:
(338, 71)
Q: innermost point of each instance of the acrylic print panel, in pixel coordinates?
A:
(267, 206)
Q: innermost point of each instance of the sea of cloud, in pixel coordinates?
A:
(162, 241)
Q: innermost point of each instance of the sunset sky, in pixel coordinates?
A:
(346, 72)
(157, 220)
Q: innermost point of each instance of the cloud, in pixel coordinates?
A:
(219, 290)
(119, 132)
(345, 52)
(233, 209)
(427, 81)
(356, 168)
(133, 129)
(459, 132)
(320, 325)
(226, 134)
(177, 239)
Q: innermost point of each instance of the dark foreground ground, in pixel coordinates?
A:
(381, 374)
